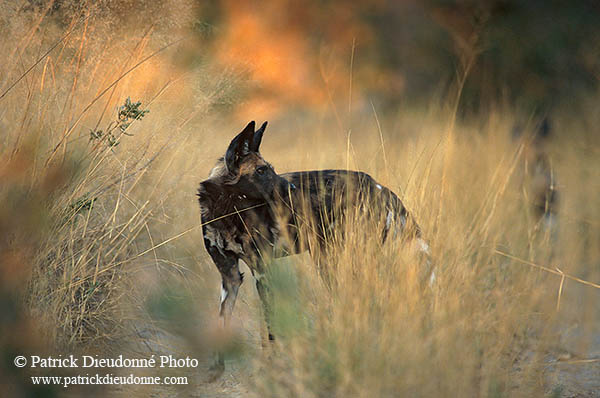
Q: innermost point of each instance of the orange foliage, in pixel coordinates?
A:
(293, 53)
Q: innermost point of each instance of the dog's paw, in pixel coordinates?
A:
(216, 371)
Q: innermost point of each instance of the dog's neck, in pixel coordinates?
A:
(218, 200)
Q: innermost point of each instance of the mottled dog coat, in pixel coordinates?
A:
(250, 213)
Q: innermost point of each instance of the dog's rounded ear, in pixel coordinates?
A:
(239, 147)
(258, 137)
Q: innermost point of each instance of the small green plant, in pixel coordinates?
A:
(128, 113)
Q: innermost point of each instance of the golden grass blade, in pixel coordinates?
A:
(550, 270)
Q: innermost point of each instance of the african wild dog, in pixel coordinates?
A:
(250, 213)
(542, 176)
(539, 178)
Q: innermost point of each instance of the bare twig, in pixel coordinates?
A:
(550, 270)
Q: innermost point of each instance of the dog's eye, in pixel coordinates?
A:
(261, 170)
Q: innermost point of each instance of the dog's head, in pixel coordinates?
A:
(244, 169)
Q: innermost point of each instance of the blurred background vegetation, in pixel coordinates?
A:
(537, 54)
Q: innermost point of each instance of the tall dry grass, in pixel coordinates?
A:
(488, 325)
(86, 160)
(120, 255)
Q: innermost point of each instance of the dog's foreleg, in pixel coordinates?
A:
(265, 298)
(229, 290)
(230, 284)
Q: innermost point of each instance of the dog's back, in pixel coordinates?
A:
(327, 199)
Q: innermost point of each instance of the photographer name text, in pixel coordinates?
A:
(89, 361)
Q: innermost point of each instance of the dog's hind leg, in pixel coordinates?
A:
(428, 272)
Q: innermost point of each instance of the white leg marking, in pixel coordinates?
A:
(223, 294)
(378, 186)
(423, 246)
(388, 220)
(549, 221)
(432, 279)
